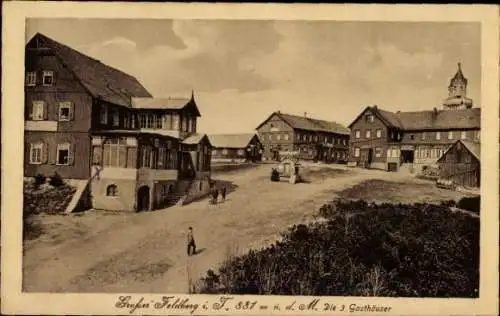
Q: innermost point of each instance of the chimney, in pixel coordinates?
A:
(435, 111)
(375, 107)
(399, 111)
(305, 114)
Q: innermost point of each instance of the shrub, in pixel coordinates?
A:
(39, 180)
(419, 250)
(472, 204)
(56, 180)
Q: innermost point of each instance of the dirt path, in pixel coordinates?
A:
(147, 252)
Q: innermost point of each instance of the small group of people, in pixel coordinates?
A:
(214, 194)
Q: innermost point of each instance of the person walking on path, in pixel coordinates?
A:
(223, 194)
(191, 246)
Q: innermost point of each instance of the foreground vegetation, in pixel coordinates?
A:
(361, 249)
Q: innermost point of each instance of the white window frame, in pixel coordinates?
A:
(241, 152)
(357, 134)
(38, 107)
(463, 135)
(60, 147)
(214, 152)
(357, 152)
(379, 133)
(49, 74)
(368, 133)
(31, 78)
(378, 152)
(224, 152)
(39, 147)
(278, 137)
(438, 135)
(450, 135)
(423, 136)
(65, 105)
(285, 137)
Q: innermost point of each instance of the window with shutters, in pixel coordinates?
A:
(48, 78)
(38, 110)
(65, 111)
(36, 153)
(31, 78)
(64, 154)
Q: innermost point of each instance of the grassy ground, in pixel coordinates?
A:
(411, 191)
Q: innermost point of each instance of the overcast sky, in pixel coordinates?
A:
(241, 71)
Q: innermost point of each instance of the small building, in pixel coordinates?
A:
(312, 139)
(236, 147)
(461, 163)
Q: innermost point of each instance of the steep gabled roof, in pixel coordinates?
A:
(428, 120)
(473, 147)
(309, 124)
(103, 82)
(231, 140)
(195, 139)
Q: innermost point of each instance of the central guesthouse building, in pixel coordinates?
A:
(235, 147)
(98, 126)
(311, 139)
(411, 140)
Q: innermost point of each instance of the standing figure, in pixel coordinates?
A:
(223, 194)
(191, 246)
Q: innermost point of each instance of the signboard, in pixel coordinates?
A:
(289, 153)
(407, 147)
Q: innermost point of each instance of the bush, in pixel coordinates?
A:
(275, 176)
(472, 204)
(56, 180)
(420, 250)
(39, 180)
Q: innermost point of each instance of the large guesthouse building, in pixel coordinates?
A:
(411, 140)
(97, 125)
(311, 139)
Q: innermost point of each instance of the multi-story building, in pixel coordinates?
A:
(311, 139)
(410, 140)
(95, 124)
(235, 147)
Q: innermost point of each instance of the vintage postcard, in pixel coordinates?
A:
(261, 159)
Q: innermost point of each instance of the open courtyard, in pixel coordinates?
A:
(102, 251)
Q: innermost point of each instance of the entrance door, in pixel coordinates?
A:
(407, 156)
(370, 156)
(143, 198)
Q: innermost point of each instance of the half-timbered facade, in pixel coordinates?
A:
(90, 122)
(312, 139)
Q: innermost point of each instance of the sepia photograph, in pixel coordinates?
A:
(264, 157)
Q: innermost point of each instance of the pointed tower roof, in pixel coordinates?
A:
(459, 76)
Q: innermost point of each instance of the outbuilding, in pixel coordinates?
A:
(461, 163)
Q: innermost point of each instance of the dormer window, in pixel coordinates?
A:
(31, 78)
(370, 118)
(48, 78)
